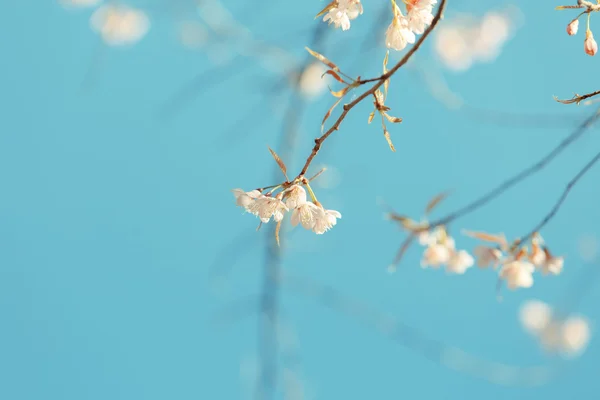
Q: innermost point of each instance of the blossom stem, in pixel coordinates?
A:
(310, 191)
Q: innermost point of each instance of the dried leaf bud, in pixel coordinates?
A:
(573, 27)
(590, 46)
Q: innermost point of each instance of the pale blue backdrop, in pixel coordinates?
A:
(112, 215)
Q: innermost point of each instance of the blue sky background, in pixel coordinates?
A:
(112, 216)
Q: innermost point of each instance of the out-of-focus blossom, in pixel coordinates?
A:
(459, 262)
(552, 265)
(120, 25)
(487, 255)
(311, 83)
(342, 12)
(568, 336)
(466, 41)
(517, 274)
(436, 255)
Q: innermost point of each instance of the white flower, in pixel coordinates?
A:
(435, 255)
(398, 34)
(295, 196)
(459, 262)
(325, 220)
(487, 255)
(343, 11)
(266, 207)
(311, 84)
(420, 15)
(306, 214)
(568, 337)
(120, 25)
(244, 199)
(517, 274)
(553, 266)
(537, 256)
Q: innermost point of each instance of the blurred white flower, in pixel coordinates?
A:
(568, 337)
(435, 256)
(459, 262)
(266, 207)
(467, 40)
(311, 83)
(552, 265)
(573, 27)
(120, 25)
(517, 274)
(342, 12)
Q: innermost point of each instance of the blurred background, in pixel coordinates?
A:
(127, 271)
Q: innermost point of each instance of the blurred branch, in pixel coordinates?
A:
(524, 174)
(413, 339)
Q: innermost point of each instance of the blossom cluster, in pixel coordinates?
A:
(467, 40)
(566, 336)
(292, 197)
(117, 24)
(589, 43)
(401, 31)
(514, 263)
(404, 28)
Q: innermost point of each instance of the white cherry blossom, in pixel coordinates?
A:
(306, 214)
(266, 207)
(244, 199)
(517, 274)
(295, 196)
(342, 12)
(398, 34)
(420, 15)
(459, 262)
(325, 220)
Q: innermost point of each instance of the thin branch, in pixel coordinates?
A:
(562, 197)
(577, 98)
(509, 183)
(379, 82)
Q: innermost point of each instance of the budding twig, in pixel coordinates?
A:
(379, 81)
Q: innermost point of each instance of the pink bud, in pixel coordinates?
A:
(573, 27)
(590, 46)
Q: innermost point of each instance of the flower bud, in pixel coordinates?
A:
(590, 46)
(573, 27)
